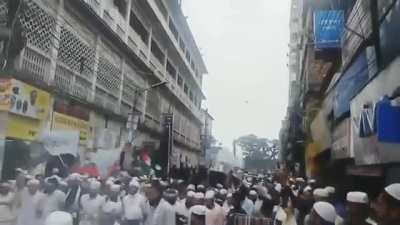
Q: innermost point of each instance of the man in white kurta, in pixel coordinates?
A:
(157, 210)
(30, 199)
(132, 205)
(91, 205)
(214, 214)
(53, 200)
(7, 201)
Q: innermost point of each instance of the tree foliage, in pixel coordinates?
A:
(258, 153)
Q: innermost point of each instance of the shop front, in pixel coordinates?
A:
(24, 116)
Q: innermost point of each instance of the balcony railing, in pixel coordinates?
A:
(95, 5)
(37, 63)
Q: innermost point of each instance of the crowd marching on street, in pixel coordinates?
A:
(271, 198)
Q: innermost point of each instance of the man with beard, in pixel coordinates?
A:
(387, 207)
(157, 210)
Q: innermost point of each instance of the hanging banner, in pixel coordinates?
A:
(58, 142)
(64, 122)
(328, 28)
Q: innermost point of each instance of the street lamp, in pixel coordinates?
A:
(134, 116)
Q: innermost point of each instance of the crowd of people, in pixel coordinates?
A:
(125, 200)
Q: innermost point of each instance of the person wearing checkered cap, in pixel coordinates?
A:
(387, 206)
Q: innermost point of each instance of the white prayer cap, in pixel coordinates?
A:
(135, 178)
(278, 187)
(191, 187)
(95, 185)
(281, 215)
(190, 194)
(115, 188)
(59, 218)
(33, 182)
(229, 195)
(291, 179)
(223, 191)
(134, 183)
(220, 186)
(74, 176)
(312, 181)
(252, 192)
(300, 179)
(210, 194)
(326, 211)
(357, 197)
(394, 190)
(320, 192)
(260, 176)
(55, 170)
(200, 186)
(199, 195)
(307, 188)
(199, 210)
(330, 190)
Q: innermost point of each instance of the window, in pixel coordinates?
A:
(191, 95)
(180, 81)
(139, 28)
(185, 89)
(187, 56)
(182, 44)
(157, 52)
(193, 66)
(171, 69)
(173, 29)
(121, 6)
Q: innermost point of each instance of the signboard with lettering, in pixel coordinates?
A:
(64, 122)
(328, 28)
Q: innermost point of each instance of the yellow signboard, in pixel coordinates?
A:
(23, 99)
(64, 122)
(23, 128)
(5, 94)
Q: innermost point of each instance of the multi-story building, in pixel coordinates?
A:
(93, 60)
(345, 71)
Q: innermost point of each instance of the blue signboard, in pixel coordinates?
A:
(328, 28)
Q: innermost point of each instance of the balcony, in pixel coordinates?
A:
(37, 63)
(156, 66)
(95, 5)
(137, 45)
(172, 38)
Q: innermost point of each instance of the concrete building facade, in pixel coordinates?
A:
(93, 57)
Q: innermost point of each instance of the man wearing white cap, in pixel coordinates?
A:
(387, 207)
(157, 210)
(132, 205)
(74, 193)
(59, 218)
(323, 213)
(320, 195)
(112, 208)
(30, 199)
(198, 198)
(197, 215)
(91, 204)
(53, 200)
(357, 208)
(215, 214)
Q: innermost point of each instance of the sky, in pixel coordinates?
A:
(244, 44)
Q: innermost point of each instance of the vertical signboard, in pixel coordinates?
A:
(328, 28)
